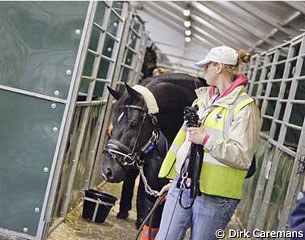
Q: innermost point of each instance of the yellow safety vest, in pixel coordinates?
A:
(216, 178)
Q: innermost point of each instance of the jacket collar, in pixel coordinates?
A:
(228, 100)
(229, 96)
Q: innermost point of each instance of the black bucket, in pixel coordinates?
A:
(97, 205)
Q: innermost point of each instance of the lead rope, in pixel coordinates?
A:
(151, 192)
(147, 188)
(158, 202)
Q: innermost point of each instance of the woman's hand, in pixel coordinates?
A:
(165, 189)
(196, 135)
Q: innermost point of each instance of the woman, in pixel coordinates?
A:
(230, 124)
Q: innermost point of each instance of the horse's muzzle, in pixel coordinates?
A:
(119, 152)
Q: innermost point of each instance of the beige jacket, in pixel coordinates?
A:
(240, 144)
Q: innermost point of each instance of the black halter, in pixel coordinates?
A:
(132, 157)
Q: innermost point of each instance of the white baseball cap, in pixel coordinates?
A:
(221, 54)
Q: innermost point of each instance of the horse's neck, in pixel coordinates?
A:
(154, 158)
(171, 104)
(153, 162)
(170, 120)
(170, 124)
(173, 92)
(162, 145)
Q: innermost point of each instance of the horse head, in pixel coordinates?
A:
(135, 131)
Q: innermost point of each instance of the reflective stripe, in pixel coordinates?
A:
(208, 158)
(214, 132)
(221, 118)
(174, 148)
(240, 102)
(145, 233)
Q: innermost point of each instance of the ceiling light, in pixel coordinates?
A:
(186, 12)
(187, 39)
(188, 32)
(187, 24)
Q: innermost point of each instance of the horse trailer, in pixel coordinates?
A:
(58, 58)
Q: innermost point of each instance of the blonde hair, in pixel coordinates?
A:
(158, 71)
(243, 57)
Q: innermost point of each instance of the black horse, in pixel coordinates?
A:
(136, 140)
(150, 62)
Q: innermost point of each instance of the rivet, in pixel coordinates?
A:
(45, 169)
(53, 105)
(37, 210)
(68, 72)
(25, 230)
(78, 31)
(56, 92)
(55, 129)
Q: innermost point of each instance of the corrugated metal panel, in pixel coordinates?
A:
(251, 25)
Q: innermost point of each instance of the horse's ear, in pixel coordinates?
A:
(116, 94)
(131, 91)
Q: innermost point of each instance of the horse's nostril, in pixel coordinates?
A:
(104, 176)
(108, 173)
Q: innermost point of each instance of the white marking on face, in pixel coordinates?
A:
(121, 115)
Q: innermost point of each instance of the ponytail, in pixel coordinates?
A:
(243, 57)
